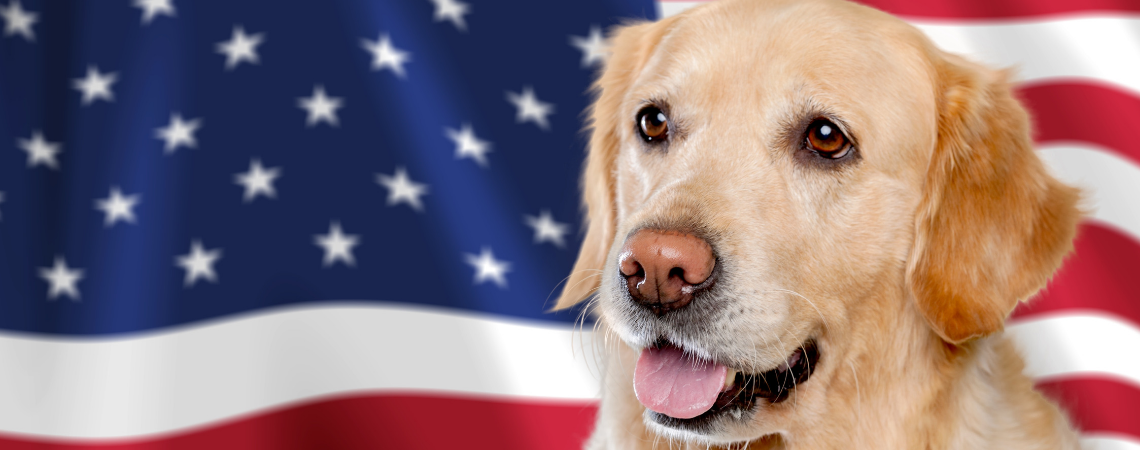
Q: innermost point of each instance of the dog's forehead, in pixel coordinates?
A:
(773, 59)
(837, 41)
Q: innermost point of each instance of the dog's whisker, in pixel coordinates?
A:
(813, 305)
(567, 278)
(581, 323)
(781, 341)
(579, 329)
(583, 280)
(858, 393)
(803, 357)
(607, 340)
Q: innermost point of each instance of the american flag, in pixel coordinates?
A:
(340, 224)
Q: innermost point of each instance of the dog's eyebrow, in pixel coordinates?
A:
(660, 103)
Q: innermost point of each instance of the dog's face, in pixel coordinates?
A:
(758, 169)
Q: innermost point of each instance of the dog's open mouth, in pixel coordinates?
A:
(683, 391)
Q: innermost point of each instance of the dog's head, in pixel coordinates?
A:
(760, 170)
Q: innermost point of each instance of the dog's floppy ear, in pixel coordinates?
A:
(993, 225)
(630, 48)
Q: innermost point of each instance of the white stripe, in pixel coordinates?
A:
(1092, 47)
(161, 382)
(1110, 183)
(668, 8)
(105, 388)
(1104, 441)
(1070, 345)
(1105, 48)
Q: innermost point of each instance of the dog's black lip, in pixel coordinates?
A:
(772, 385)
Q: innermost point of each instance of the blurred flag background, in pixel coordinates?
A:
(339, 224)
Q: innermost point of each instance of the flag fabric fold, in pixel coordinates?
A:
(342, 224)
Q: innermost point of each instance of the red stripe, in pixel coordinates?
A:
(374, 421)
(991, 9)
(1098, 404)
(1099, 276)
(433, 422)
(1085, 112)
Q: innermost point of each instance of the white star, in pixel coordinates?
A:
(61, 279)
(530, 109)
(469, 146)
(40, 151)
(199, 263)
(321, 107)
(593, 47)
(338, 246)
(385, 56)
(240, 47)
(453, 11)
(117, 207)
(258, 180)
(152, 8)
(488, 268)
(402, 189)
(18, 21)
(546, 229)
(178, 133)
(96, 85)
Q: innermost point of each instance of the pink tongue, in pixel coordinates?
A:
(668, 382)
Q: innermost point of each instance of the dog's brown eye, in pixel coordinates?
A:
(827, 140)
(652, 124)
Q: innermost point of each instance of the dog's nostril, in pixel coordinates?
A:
(628, 264)
(677, 272)
(662, 267)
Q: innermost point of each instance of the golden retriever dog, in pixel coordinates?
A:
(807, 226)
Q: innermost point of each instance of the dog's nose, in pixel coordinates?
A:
(662, 268)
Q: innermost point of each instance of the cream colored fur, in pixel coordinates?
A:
(902, 265)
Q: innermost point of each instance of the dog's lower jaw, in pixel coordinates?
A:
(620, 421)
(970, 400)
